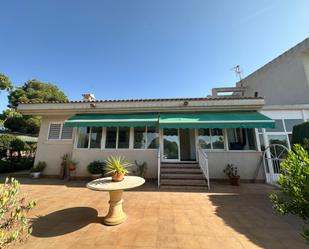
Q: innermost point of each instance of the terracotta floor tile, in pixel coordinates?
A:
(225, 218)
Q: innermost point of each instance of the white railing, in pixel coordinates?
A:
(203, 163)
(159, 167)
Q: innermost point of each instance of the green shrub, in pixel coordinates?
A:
(300, 132)
(96, 167)
(39, 167)
(11, 166)
(294, 186)
(5, 144)
(15, 226)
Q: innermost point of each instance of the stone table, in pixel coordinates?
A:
(115, 215)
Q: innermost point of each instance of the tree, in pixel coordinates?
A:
(294, 187)
(31, 91)
(35, 91)
(5, 83)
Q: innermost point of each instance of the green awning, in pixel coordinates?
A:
(232, 119)
(112, 120)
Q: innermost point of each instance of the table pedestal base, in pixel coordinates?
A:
(115, 214)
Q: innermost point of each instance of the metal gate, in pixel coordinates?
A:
(273, 156)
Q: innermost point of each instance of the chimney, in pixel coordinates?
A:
(88, 97)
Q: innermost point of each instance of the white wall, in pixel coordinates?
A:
(85, 156)
(246, 162)
(51, 151)
(284, 80)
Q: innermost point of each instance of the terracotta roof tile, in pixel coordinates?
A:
(142, 100)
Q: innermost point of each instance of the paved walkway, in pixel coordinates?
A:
(69, 217)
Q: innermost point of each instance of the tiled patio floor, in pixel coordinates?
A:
(69, 217)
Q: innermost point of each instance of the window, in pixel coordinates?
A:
(83, 137)
(117, 138)
(123, 137)
(146, 138)
(54, 131)
(111, 138)
(290, 123)
(89, 137)
(278, 139)
(241, 139)
(211, 138)
(278, 126)
(152, 138)
(57, 131)
(140, 137)
(95, 137)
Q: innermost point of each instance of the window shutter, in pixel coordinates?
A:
(54, 131)
(66, 133)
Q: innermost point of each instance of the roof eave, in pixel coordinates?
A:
(150, 106)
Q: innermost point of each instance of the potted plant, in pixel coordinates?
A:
(232, 173)
(96, 169)
(117, 166)
(36, 170)
(71, 164)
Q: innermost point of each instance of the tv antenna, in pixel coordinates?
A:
(238, 71)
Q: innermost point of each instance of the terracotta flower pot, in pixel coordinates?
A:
(117, 177)
(72, 167)
(235, 180)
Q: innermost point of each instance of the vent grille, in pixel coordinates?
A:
(54, 131)
(66, 133)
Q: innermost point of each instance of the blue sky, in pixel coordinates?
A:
(121, 49)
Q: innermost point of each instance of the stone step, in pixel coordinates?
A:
(183, 188)
(182, 176)
(183, 182)
(181, 171)
(178, 165)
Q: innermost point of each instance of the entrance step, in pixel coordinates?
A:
(184, 188)
(182, 176)
(179, 165)
(165, 170)
(176, 175)
(183, 182)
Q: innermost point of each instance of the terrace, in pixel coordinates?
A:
(69, 215)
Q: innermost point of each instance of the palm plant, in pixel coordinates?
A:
(117, 165)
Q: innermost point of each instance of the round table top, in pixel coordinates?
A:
(106, 184)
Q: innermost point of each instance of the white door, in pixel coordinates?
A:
(171, 148)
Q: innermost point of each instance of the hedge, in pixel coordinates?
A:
(300, 132)
(11, 166)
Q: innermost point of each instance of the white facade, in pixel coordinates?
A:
(284, 80)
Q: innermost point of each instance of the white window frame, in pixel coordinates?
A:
(60, 132)
(88, 146)
(284, 132)
(146, 141)
(224, 134)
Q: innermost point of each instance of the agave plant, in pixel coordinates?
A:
(117, 165)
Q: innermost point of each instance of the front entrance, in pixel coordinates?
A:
(178, 144)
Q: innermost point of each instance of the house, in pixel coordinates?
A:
(284, 84)
(176, 137)
(140, 129)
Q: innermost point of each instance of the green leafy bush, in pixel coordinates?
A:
(294, 187)
(5, 144)
(11, 166)
(96, 167)
(15, 226)
(39, 167)
(300, 132)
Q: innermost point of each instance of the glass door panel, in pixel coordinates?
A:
(170, 144)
